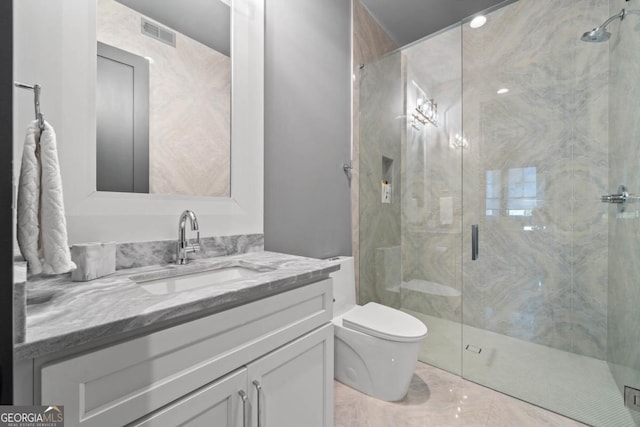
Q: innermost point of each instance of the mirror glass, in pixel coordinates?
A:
(164, 97)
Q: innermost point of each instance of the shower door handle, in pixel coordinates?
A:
(475, 247)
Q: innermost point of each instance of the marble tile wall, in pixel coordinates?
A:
(623, 319)
(189, 103)
(370, 41)
(542, 272)
(382, 128)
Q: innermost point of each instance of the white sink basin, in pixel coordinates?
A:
(192, 281)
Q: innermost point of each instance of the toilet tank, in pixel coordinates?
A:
(344, 284)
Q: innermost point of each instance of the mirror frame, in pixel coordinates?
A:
(69, 103)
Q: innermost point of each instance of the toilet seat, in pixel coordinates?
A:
(384, 322)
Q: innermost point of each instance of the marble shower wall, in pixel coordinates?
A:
(382, 130)
(536, 165)
(370, 41)
(431, 179)
(624, 228)
(189, 103)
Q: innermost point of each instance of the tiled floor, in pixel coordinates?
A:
(509, 365)
(437, 398)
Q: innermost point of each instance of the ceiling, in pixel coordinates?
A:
(405, 21)
(206, 21)
(409, 20)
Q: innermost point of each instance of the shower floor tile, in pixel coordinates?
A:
(551, 378)
(438, 398)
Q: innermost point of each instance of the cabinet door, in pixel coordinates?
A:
(293, 386)
(219, 405)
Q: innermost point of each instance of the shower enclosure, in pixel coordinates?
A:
(484, 156)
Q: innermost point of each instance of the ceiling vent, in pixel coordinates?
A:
(157, 32)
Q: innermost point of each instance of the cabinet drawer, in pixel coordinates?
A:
(124, 382)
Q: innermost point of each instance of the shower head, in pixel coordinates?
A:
(596, 35)
(600, 34)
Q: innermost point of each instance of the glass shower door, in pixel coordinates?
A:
(623, 291)
(430, 288)
(537, 307)
(533, 127)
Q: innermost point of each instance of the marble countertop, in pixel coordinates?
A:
(62, 314)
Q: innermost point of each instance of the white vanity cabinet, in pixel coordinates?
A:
(277, 352)
(285, 388)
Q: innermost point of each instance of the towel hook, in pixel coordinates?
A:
(36, 88)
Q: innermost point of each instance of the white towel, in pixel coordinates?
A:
(42, 228)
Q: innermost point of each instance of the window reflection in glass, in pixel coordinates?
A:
(493, 192)
(521, 199)
(523, 188)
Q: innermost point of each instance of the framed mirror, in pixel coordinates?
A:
(64, 35)
(163, 97)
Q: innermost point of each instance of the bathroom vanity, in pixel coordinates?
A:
(138, 348)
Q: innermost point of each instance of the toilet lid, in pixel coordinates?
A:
(384, 322)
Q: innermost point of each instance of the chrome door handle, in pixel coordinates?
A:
(256, 383)
(621, 199)
(616, 198)
(475, 247)
(244, 398)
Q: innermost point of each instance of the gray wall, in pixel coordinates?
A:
(307, 127)
(6, 199)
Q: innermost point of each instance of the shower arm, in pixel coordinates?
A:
(619, 16)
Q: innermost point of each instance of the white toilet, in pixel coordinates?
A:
(376, 347)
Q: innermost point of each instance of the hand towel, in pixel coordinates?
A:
(42, 227)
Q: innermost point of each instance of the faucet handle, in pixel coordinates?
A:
(197, 247)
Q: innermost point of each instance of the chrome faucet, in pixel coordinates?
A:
(184, 248)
